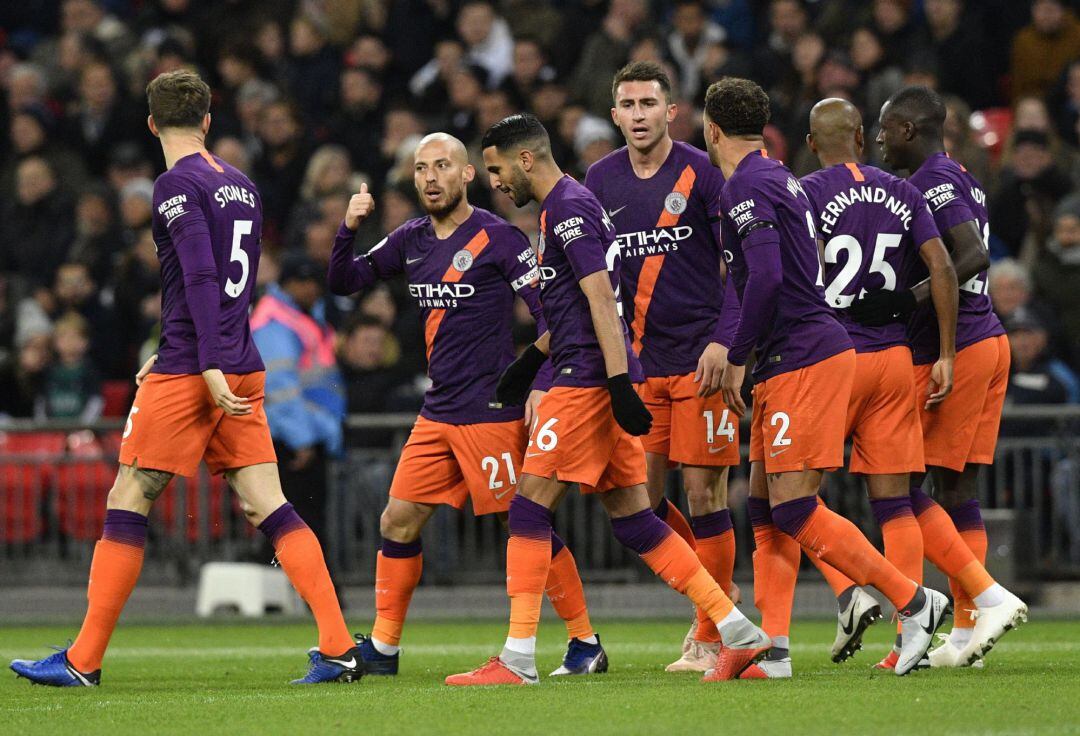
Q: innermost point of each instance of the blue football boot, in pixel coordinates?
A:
(348, 667)
(583, 659)
(375, 662)
(55, 670)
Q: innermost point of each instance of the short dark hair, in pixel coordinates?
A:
(178, 99)
(920, 105)
(523, 129)
(641, 71)
(740, 107)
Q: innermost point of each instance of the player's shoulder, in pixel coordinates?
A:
(614, 160)
(571, 198)
(937, 170)
(691, 154)
(499, 229)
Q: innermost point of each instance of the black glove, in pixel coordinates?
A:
(627, 406)
(883, 307)
(517, 379)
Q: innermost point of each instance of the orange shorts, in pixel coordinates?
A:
(174, 424)
(448, 463)
(800, 416)
(575, 438)
(686, 428)
(964, 427)
(883, 416)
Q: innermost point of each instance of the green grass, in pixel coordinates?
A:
(231, 679)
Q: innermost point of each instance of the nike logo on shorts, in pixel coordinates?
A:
(498, 496)
(714, 450)
(774, 454)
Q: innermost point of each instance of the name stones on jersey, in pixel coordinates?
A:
(675, 203)
(463, 260)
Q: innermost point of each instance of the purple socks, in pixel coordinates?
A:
(711, 525)
(125, 527)
(401, 550)
(885, 509)
(529, 519)
(282, 521)
(791, 516)
(641, 532)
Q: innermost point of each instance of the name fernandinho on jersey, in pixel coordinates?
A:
(233, 193)
(865, 194)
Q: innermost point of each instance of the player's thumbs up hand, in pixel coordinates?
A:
(361, 205)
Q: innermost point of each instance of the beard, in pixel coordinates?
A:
(438, 211)
(522, 187)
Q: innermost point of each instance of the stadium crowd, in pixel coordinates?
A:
(313, 97)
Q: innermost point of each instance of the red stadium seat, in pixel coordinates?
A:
(32, 443)
(992, 128)
(22, 488)
(117, 396)
(82, 487)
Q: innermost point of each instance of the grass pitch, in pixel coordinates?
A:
(232, 679)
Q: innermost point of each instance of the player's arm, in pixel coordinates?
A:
(945, 295)
(710, 367)
(348, 273)
(190, 235)
(967, 249)
(626, 405)
(522, 272)
(761, 251)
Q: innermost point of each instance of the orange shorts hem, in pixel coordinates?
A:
(963, 429)
(688, 429)
(576, 439)
(800, 416)
(174, 425)
(883, 415)
(447, 464)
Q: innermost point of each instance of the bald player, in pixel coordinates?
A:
(875, 229)
(959, 435)
(464, 265)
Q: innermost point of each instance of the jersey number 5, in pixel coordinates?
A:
(240, 229)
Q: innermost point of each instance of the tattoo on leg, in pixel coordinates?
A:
(151, 482)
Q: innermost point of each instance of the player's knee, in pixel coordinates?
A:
(398, 526)
(127, 495)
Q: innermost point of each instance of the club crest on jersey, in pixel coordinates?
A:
(675, 203)
(463, 260)
(540, 244)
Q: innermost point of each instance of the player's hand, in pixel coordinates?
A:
(627, 406)
(145, 370)
(941, 381)
(731, 386)
(517, 379)
(360, 206)
(301, 458)
(880, 308)
(710, 367)
(532, 405)
(225, 399)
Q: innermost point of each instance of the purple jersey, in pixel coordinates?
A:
(770, 242)
(873, 225)
(464, 286)
(577, 239)
(669, 238)
(207, 227)
(954, 197)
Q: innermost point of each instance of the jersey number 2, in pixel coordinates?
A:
(240, 229)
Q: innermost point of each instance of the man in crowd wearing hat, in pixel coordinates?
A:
(305, 395)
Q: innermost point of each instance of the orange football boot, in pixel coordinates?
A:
(493, 672)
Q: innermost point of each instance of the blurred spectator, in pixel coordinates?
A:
(72, 388)
(487, 38)
(101, 118)
(279, 169)
(788, 21)
(98, 239)
(960, 141)
(137, 295)
(1057, 273)
(1041, 50)
(312, 63)
(37, 226)
(75, 291)
(531, 69)
(1030, 185)
(688, 43)
(605, 52)
(32, 132)
(880, 78)
(23, 377)
(305, 397)
(357, 122)
(372, 377)
(1010, 287)
(958, 52)
(1035, 377)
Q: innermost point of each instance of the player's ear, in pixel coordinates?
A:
(469, 173)
(526, 159)
(672, 111)
(860, 140)
(151, 126)
(205, 124)
(614, 116)
(810, 143)
(909, 131)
